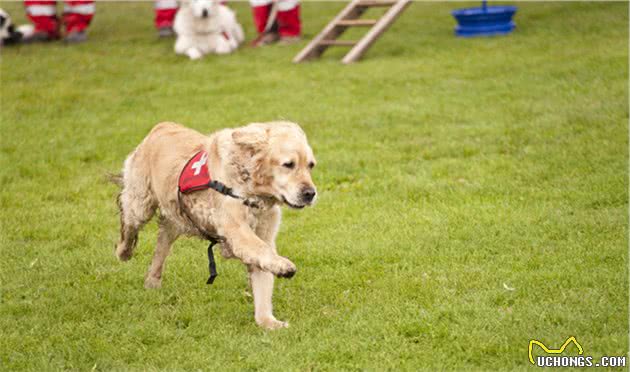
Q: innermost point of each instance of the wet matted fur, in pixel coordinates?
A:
(268, 162)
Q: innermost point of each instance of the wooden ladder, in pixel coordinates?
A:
(349, 17)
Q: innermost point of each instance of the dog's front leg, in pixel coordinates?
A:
(262, 282)
(185, 45)
(194, 53)
(262, 289)
(252, 250)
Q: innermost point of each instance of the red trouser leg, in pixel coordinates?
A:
(261, 15)
(43, 14)
(78, 14)
(289, 24)
(165, 11)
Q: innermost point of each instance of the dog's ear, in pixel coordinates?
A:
(2, 20)
(253, 137)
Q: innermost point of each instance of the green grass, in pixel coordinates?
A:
(447, 168)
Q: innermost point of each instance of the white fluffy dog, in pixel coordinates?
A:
(205, 26)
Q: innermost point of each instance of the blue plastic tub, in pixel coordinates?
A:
(484, 21)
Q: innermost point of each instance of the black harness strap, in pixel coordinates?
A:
(212, 265)
(225, 190)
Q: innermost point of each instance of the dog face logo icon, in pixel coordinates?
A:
(553, 351)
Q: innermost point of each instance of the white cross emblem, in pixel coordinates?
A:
(199, 163)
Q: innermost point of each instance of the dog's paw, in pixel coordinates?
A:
(152, 283)
(271, 323)
(194, 53)
(123, 252)
(223, 47)
(279, 266)
(233, 44)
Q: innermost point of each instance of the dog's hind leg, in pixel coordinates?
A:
(221, 46)
(167, 234)
(137, 206)
(237, 32)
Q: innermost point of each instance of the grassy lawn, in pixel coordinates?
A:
(451, 171)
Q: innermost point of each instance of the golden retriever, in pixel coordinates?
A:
(269, 163)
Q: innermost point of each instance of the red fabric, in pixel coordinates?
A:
(47, 24)
(43, 23)
(195, 175)
(261, 15)
(50, 24)
(76, 21)
(164, 17)
(289, 22)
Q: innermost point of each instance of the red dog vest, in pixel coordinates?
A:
(195, 175)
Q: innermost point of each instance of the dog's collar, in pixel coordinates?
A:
(212, 32)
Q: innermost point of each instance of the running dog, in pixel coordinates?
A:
(261, 167)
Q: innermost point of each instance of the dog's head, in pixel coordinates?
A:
(5, 25)
(278, 162)
(203, 8)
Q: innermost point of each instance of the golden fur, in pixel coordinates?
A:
(268, 162)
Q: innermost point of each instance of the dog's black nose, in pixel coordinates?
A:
(204, 14)
(308, 194)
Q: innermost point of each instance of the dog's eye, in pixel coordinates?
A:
(311, 165)
(289, 165)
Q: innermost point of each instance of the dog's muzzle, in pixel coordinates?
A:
(308, 194)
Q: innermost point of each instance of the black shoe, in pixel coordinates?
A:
(288, 40)
(75, 37)
(164, 32)
(265, 39)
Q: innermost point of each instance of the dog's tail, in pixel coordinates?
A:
(115, 178)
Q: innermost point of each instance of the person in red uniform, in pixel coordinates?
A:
(76, 18)
(165, 11)
(288, 25)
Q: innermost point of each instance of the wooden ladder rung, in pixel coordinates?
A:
(357, 22)
(386, 20)
(349, 16)
(338, 42)
(376, 3)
